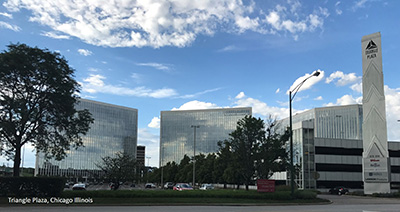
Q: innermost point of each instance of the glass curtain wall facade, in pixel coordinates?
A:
(177, 133)
(328, 123)
(114, 130)
(339, 122)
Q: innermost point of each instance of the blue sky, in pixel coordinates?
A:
(182, 54)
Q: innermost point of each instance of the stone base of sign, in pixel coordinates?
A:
(370, 188)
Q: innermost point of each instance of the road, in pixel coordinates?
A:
(343, 203)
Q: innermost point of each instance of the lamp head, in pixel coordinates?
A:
(316, 73)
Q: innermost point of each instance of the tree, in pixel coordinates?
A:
(272, 156)
(204, 172)
(38, 95)
(121, 168)
(245, 143)
(185, 170)
(254, 150)
(222, 161)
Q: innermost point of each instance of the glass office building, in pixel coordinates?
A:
(114, 130)
(212, 125)
(326, 146)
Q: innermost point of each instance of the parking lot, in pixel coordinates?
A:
(105, 186)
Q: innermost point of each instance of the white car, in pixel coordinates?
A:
(150, 185)
(206, 187)
(79, 186)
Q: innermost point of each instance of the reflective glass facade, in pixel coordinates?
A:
(331, 124)
(339, 122)
(177, 133)
(114, 130)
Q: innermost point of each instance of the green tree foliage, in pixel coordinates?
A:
(254, 151)
(121, 168)
(245, 145)
(38, 95)
(272, 156)
(185, 170)
(204, 168)
(170, 172)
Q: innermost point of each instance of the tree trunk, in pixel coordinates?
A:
(17, 160)
(247, 186)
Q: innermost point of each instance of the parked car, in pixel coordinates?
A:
(149, 185)
(182, 187)
(339, 190)
(169, 185)
(79, 186)
(206, 187)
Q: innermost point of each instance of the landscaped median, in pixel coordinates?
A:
(196, 197)
(282, 195)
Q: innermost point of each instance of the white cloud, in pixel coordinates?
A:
(155, 123)
(137, 77)
(196, 105)
(55, 35)
(240, 95)
(230, 48)
(357, 87)
(392, 97)
(93, 70)
(294, 5)
(159, 23)
(346, 100)
(187, 96)
(95, 84)
(307, 84)
(246, 23)
(319, 98)
(279, 21)
(158, 66)
(359, 4)
(85, 52)
(12, 27)
(259, 107)
(344, 79)
(8, 15)
(152, 143)
(338, 10)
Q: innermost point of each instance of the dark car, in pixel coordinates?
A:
(339, 190)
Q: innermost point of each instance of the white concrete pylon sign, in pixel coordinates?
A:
(376, 166)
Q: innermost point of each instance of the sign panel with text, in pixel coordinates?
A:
(264, 185)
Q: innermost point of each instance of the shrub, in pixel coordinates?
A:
(31, 186)
(283, 188)
(305, 194)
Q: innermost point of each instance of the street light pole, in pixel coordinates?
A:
(292, 94)
(194, 153)
(148, 161)
(291, 145)
(162, 166)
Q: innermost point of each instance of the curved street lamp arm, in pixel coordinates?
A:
(296, 89)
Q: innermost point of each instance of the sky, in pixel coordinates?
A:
(160, 55)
